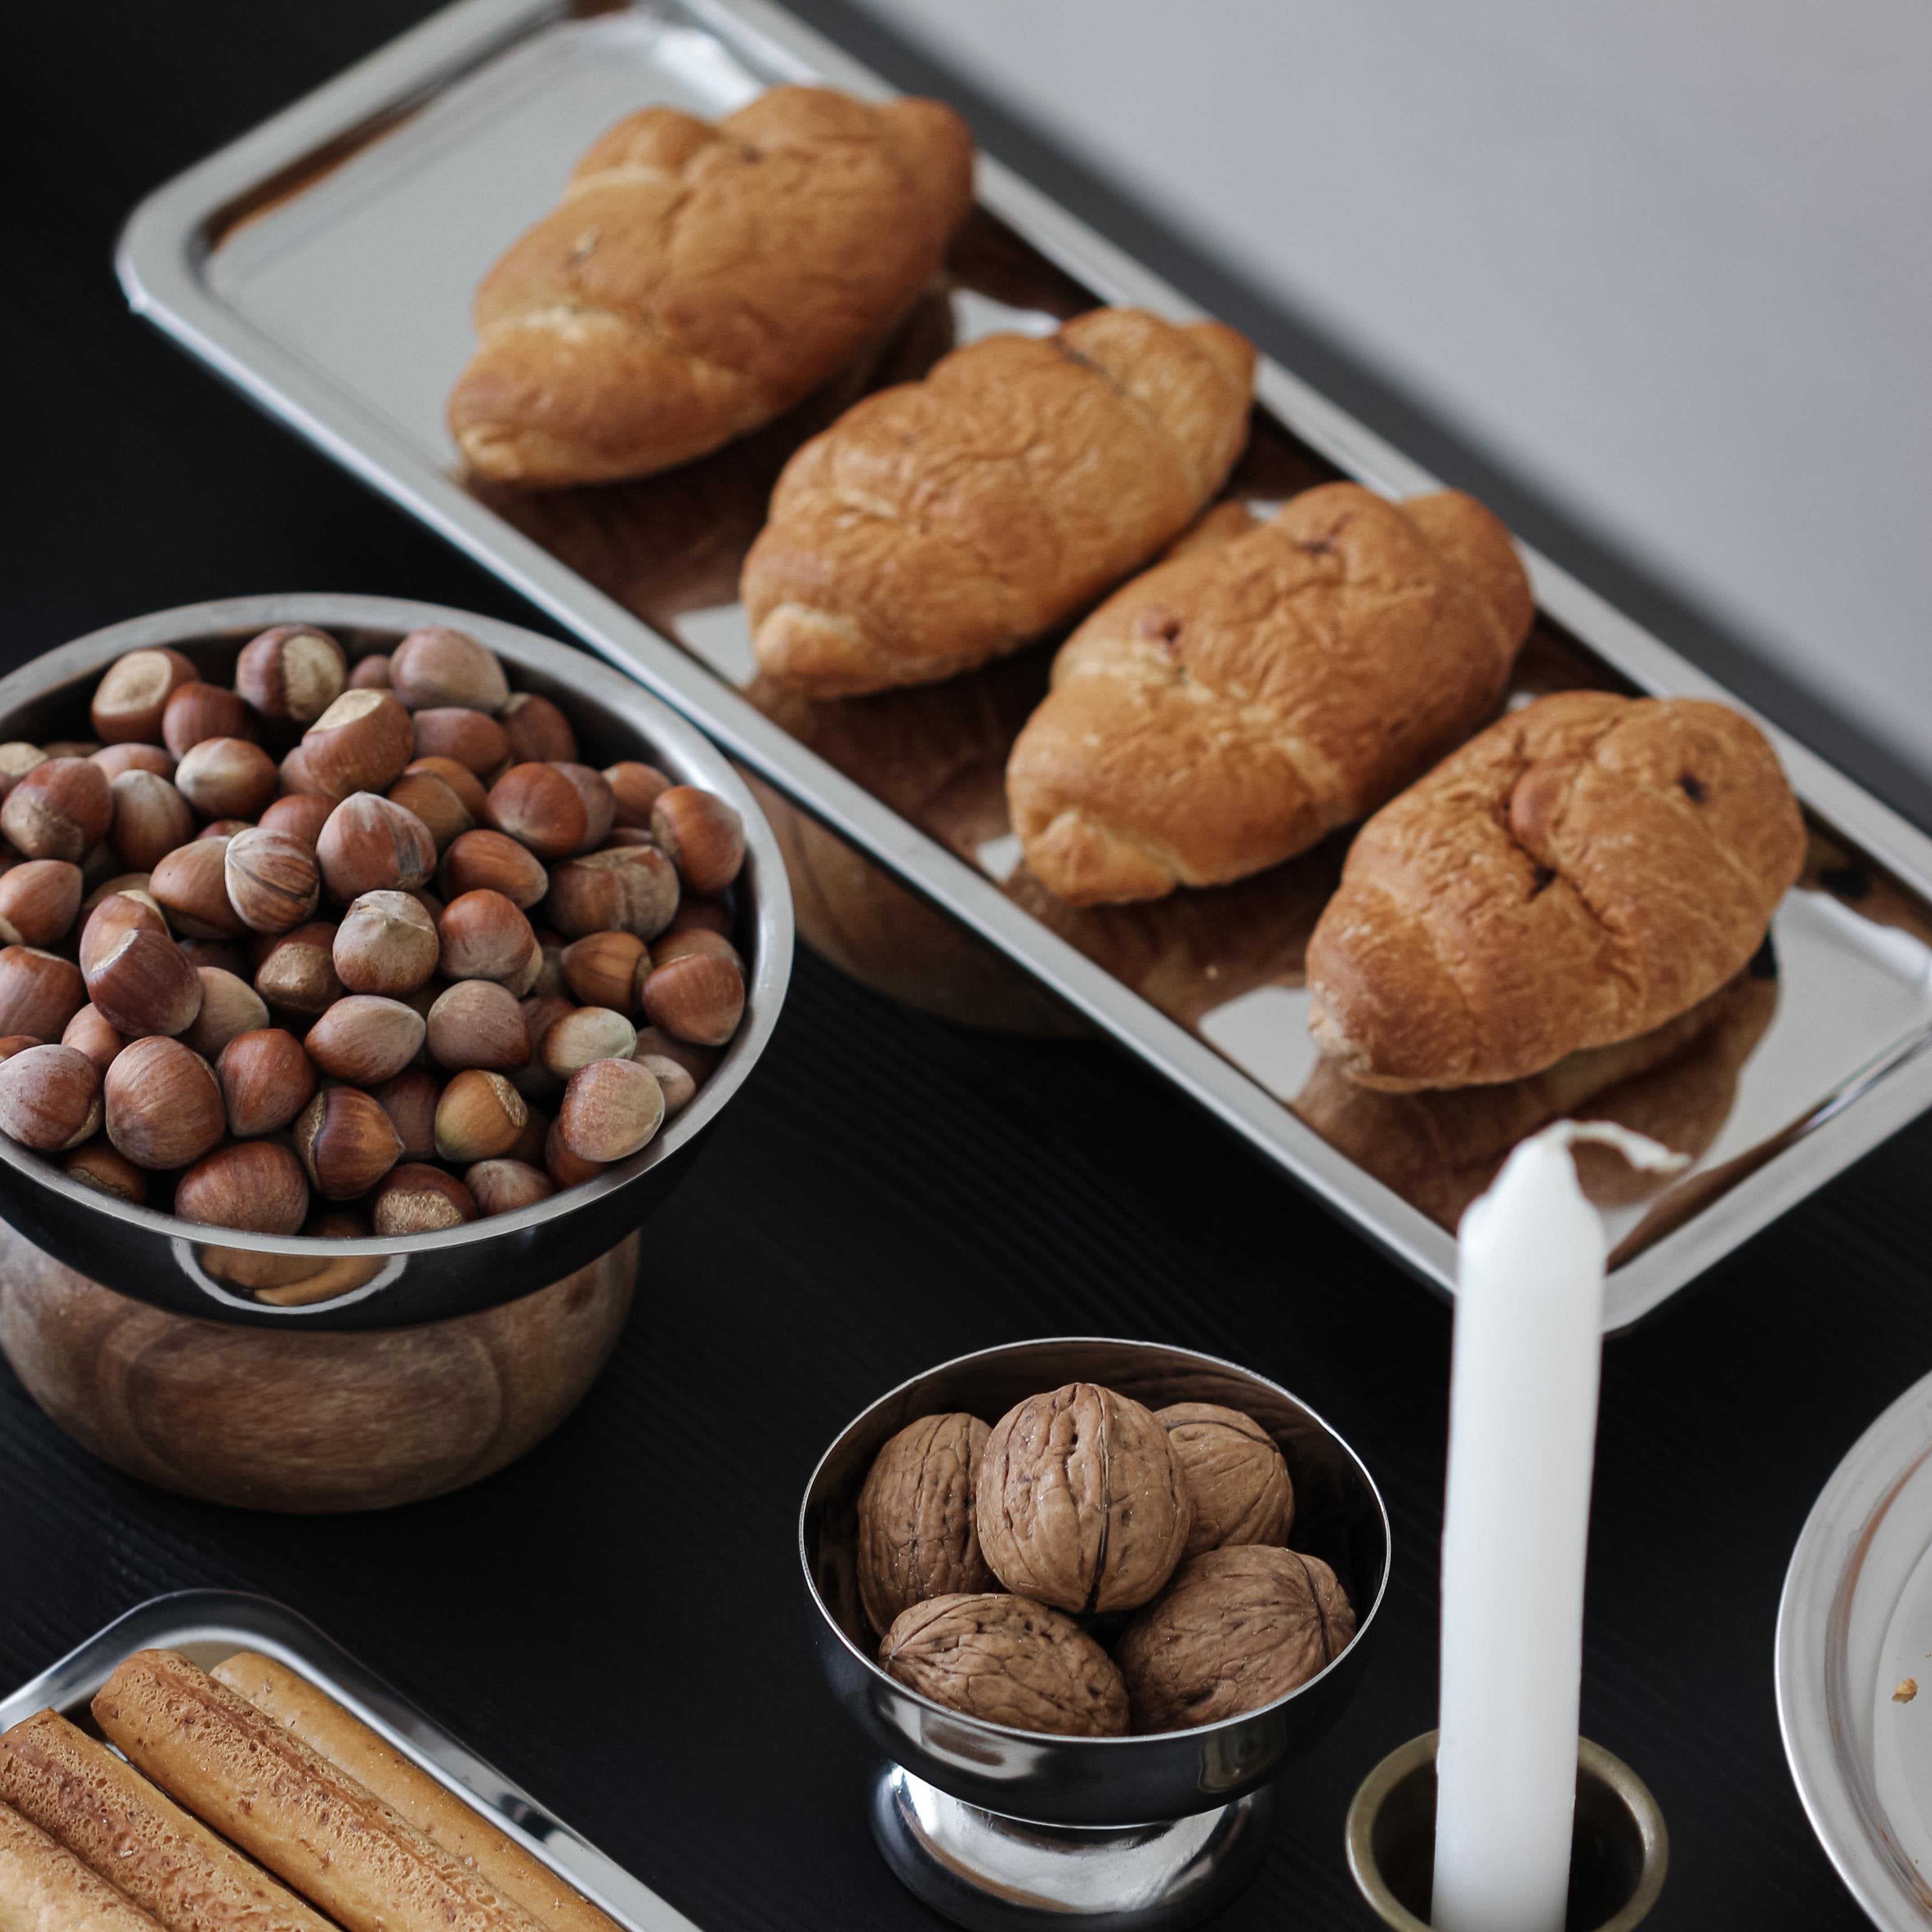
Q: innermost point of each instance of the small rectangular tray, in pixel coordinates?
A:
(325, 264)
(206, 1626)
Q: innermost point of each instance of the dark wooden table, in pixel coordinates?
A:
(617, 1621)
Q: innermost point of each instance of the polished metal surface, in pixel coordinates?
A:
(1852, 1641)
(390, 1282)
(1114, 1782)
(994, 1874)
(1619, 1858)
(207, 1626)
(418, 165)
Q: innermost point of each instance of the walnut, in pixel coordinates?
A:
(1081, 1500)
(1236, 1477)
(1009, 1662)
(1236, 1629)
(915, 1535)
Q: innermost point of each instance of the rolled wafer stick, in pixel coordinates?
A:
(313, 1825)
(324, 1725)
(111, 1818)
(44, 1888)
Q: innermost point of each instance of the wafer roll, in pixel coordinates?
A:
(349, 1744)
(314, 1827)
(44, 1888)
(111, 1818)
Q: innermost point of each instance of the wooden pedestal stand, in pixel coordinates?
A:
(305, 1420)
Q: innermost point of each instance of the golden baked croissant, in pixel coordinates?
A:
(1585, 869)
(695, 280)
(1225, 710)
(940, 524)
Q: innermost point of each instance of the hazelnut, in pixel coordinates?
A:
(258, 1185)
(549, 975)
(565, 1169)
(97, 1165)
(493, 862)
(600, 806)
(365, 1038)
(692, 942)
(1236, 1629)
(197, 711)
(479, 743)
(299, 974)
(541, 1012)
(301, 815)
(293, 672)
(371, 845)
(607, 969)
(17, 759)
(610, 1109)
(19, 1042)
(265, 1080)
(230, 1007)
(630, 888)
(916, 1538)
(61, 809)
(71, 748)
(221, 954)
(437, 667)
(274, 879)
(116, 759)
(701, 835)
(163, 1107)
(191, 885)
(143, 984)
(699, 996)
(150, 818)
(38, 900)
(410, 1100)
(680, 1088)
(702, 915)
(39, 992)
(626, 835)
(477, 1023)
(635, 788)
(136, 882)
(371, 673)
(582, 1035)
(531, 1141)
(297, 780)
(432, 799)
(538, 730)
(133, 693)
(226, 778)
(539, 807)
(386, 943)
(480, 1115)
(414, 1199)
(127, 910)
(485, 937)
(339, 1221)
(468, 788)
(49, 1097)
(506, 1186)
(1237, 1479)
(360, 743)
(699, 1062)
(347, 1142)
(89, 1034)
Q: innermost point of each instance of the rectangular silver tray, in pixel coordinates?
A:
(206, 1626)
(324, 264)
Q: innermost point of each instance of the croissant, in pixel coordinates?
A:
(1587, 868)
(943, 523)
(696, 281)
(1227, 710)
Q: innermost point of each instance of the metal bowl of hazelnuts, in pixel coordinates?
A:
(1088, 1598)
(363, 962)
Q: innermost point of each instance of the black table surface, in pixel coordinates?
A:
(617, 1621)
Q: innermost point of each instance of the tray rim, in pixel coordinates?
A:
(255, 1622)
(159, 256)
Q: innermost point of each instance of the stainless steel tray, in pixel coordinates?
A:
(208, 1625)
(325, 265)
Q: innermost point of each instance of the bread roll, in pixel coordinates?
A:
(1225, 710)
(942, 523)
(338, 1844)
(445, 1820)
(1587, 868)
(44, 1888)
(108, 1816)
(696, 280)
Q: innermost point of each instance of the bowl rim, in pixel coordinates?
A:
(1363, 1622)
(43, 677)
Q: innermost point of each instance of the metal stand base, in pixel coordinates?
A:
(995, 1874)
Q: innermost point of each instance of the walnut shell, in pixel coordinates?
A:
(1081, 1501)
(1237, 1479)
(916, 1534)
(1007, 1661)
(1236, 1629)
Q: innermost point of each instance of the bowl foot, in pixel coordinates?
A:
(991, 1873)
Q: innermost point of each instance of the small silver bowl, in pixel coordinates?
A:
(995, 1827)
(220, 1273)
